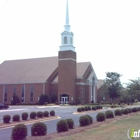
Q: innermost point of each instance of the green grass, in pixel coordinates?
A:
(116, 130)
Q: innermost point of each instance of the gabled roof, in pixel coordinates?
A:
(81, 68)
(35, 70)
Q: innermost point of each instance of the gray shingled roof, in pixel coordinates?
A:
(36, 70)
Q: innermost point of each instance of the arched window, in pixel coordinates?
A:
(65, 40)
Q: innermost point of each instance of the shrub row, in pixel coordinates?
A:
(39, 129)
(87, 108)
(24, 116)
(109, 114)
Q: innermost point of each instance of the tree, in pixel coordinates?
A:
(54, 98)
(44, 98)
(41, 100)
(134, 88)
(113, 84)
(15, 100)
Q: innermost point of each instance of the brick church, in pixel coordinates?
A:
(62, 75)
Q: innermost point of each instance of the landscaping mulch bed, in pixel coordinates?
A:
(78, 129)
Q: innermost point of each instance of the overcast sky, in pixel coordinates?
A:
(106, 32)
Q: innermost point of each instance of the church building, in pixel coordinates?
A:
(73, 82)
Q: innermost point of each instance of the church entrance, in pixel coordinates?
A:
(64, 99)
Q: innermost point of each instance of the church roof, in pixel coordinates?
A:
(36, 70)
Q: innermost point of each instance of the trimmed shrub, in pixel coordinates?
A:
(16, 118)
(134, 109)
(38, 129)
(86, 108)
(90, 119)
(6, 118)
(93, 108)
(46, 114)
(79, 109)
(109, 114)
(118, 112)
(89, 108)
(100, 117)
(62, 126)
(39, 114)
(83, 109)
(24, 116)
(122, 111)
(84, 120)
(32, 115)
(130, 110)
(70, 123)
(52, 113)
(126, 111)
(19, 132)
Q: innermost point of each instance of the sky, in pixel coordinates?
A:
(106, 32)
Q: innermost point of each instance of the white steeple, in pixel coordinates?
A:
(67, 26)
(67, 35)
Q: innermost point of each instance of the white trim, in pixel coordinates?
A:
(44, 88)
(66, 59)
(80, 83)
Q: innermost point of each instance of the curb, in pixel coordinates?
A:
(27, 122)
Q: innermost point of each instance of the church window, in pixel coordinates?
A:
(5, 94)
(31, 93)
(65, 40)
(22, 94)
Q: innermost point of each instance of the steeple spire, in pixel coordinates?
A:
(67, 26)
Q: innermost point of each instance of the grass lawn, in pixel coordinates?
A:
(116, 130)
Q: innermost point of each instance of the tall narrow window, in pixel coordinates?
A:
(14, 90)
(71, 41)
(5, 94)
(65, 40)
(22, 94)
(31, 93)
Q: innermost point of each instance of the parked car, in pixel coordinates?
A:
(3, 106)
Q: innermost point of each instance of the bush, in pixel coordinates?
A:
(32, 115)
(19, 132)
(39, 114)
(84, 120)
(89, 108)
(24, 116)
(62, 126)
(100, 117)
(46, 114)
(83, 109)
(126, 111)
(109, 114)
(6, 118)
(90, 119)
(86, 108)
(122, 111)
(16, 118)
(38, 129)
(93, 108)
(130, 110)
(70, 123)
(118, 112)
(52, 113)
(79, 109)
(134, 109)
